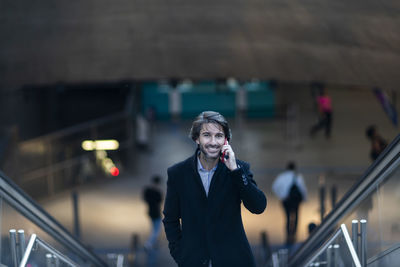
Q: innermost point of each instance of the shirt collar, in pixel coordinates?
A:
(200, 167)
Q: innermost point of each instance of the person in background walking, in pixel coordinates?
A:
(153, 196)
(325, 114)
(378, 144)
(290, 188)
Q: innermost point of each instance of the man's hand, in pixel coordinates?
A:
(230, 160)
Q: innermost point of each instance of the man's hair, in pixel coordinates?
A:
(209, 117)
(291, 165)
(156, 179)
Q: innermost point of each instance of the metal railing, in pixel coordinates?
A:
(361, 200)
(22, 208)
(337, 251)
(51, 257)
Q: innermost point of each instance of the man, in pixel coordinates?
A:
(153, 196)
(282, 187)
(202, 208)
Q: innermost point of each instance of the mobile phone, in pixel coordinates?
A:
(223, 154)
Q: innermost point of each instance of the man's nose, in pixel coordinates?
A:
(213, 140)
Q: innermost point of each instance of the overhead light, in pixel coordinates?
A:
(90, 145)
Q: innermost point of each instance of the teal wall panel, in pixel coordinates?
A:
(154, 96)
(261, 103)
(204, 95)
(195, 102)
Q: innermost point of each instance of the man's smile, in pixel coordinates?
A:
(213, 149)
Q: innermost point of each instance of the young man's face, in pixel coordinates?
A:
(211, 140)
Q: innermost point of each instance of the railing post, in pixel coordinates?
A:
(354, 235)
(333, 196)
(322, 200)
(134, 249)
(50, 171)
(363, 254)
(329, 257)
(56, 261)
(21, 244)
(283, 257)
(13, 247)
(336, 254)
(275, 260)
(77, 230)
(49, 260)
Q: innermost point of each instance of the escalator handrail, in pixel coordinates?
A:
(24, 204)
(373, 176)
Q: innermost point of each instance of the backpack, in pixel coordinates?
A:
(295, 195)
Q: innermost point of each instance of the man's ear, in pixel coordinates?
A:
(197, 141)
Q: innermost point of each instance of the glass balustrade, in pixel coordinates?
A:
(19, 211)
(12, 219)
(40, 253)
(373, 198)
(380, 209)
(338, 251)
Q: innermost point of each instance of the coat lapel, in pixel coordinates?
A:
(196, 175)
(217, 180)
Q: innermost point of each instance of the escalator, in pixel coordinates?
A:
(19, 211)
(373, 200)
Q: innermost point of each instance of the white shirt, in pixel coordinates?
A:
(205, 175)
(283, 182)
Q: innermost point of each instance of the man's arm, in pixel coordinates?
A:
(253, 198)
(171, 220)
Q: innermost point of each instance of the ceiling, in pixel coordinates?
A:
(348, 42)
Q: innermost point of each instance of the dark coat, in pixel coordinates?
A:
(153, 198)
(201, 228)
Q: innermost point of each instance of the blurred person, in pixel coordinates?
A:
(174, 100)
(202, 208)
(325, 114)
(311, 227)
(86, 170)
(378, 144)
(142, 132)
(290, 188)
(153, 196)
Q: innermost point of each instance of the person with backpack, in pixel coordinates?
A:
(290, 188)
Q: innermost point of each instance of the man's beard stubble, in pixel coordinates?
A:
(205, 153)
